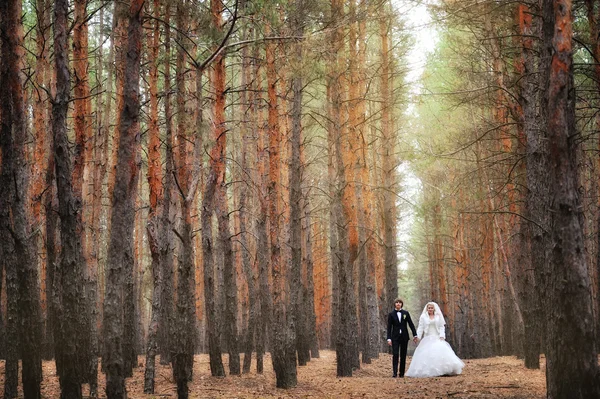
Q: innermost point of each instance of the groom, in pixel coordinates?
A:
(397, 335)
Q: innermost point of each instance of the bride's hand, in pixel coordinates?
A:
(442, 338)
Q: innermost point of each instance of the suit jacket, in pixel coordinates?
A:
(397, 328)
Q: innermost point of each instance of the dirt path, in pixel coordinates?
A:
(494, 378)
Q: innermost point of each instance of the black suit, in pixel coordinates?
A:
(397, 332)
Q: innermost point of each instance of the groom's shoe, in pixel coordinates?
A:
(394, 376)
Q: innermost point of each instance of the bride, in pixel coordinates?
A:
(434, 356)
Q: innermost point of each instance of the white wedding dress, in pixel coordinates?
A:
(433, 357)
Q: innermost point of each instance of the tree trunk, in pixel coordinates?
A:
(388, 148)
(347, 233)
(229, 275)
(244, 203)
(156, 229)
(72, 338)
(572, 363)
(120, 251)
(528, 101)
(309, 294)
(14, 136)
(166, 321)
(7, 254)
(593, 15)
(216, 173)
(333, 235)
(188, 167)
(262, 243)
(185, 328)
(298, 311)
(283, 349)
(41, 155)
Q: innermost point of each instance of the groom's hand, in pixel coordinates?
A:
(389, 341)
(416, 339)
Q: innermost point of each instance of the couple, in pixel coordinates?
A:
(434, 356)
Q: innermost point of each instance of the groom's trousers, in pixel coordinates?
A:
(399, 349)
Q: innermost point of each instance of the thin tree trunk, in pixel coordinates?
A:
(530, 301)
(387, 146)
(41, 156)
(188, 166)
(156, 230)
(297, 304)
(262, 244)
(120, 251)
(253, 305)
(283, 349)
(230, 315)
(333, 235)
(309, 295)
(166, 321)
(215, 176)
(82, 173)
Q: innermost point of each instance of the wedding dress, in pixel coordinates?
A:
(433, 356)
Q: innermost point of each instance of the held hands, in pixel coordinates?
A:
(416, 340)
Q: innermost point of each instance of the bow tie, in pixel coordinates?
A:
(398, 311)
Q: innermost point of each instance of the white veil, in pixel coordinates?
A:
(438, 315)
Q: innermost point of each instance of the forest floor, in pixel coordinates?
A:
(492, 378)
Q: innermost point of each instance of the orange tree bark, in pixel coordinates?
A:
(120, 250)
(221, 209)
(215, 177)
(283, 350)
(155, 229)
(41, 155)
(572, 363)
(119, 39)
(322, 286)
(333, 217)
(101, 138)
(83, 171)
(373, 335)
(347, 234)
(369, 314)
(308, 276)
